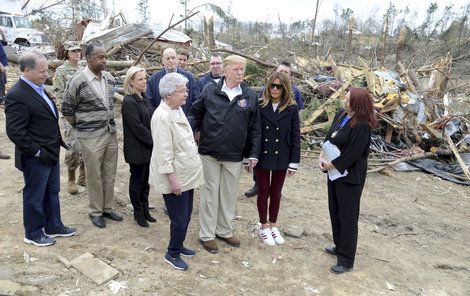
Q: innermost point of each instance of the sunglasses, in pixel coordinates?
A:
(275, 86)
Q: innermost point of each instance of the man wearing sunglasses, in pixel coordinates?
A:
(285, 68)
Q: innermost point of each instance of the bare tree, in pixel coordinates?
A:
(314, 22)
(143, 9)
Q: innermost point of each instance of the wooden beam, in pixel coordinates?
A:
(457, 155)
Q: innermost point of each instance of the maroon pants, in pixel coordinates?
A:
(269, 188)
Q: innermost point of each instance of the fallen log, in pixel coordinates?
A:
(110, 64)
(402, 159)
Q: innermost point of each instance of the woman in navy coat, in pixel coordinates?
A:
(350, 132)
(279, 154)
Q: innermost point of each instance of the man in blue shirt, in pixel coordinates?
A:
(32, 125)
(170, 64)
(3, 69)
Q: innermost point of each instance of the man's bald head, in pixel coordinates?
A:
(169, 60)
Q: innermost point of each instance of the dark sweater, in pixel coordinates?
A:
(136, 115)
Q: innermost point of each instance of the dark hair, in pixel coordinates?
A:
(362, 104)
(90, 48)
(183, 51)
(217, 54)
(286, 97)
(286, 63)
(29, 60)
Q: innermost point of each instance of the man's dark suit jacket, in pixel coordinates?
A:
(31, 125)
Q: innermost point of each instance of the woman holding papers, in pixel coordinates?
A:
(279, 154)
(350, 133)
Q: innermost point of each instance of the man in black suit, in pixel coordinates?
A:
(32, 125)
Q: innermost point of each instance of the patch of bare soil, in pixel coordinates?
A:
(414, 235)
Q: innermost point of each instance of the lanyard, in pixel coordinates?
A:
(342, 124)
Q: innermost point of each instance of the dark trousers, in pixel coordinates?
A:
(179, 210)
(41, 206)
(254, 176)
(139, 187)
(344, 202)
(270, 185)
(3, 82)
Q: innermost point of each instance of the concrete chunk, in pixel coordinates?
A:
(293, 231)
(94, 268)
(64, 261)
(12, 288)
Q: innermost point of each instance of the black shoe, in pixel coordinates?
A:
(62, 232)
(331, 250)
(339, 269)
(113, 216)
(149, 217)
(98, 221)
(253, 191)
(139, 217)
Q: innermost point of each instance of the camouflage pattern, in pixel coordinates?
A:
(73, 156)
(62, 75)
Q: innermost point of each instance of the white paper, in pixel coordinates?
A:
(330, 153)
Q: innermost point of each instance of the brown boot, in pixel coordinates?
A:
(210, 246)
(81, 176)
(233, 241)
(71, 186)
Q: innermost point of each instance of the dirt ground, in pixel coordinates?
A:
(414, 235)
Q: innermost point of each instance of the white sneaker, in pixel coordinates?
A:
(277, 236)
(266, 236)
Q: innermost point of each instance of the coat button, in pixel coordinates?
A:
(277, 128)
(276, 152)
(265, 140)
(267, 127)
(277, 140)
(265, 152)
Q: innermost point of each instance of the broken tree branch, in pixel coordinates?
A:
(160, 35)
(402, 159)
(457, 155)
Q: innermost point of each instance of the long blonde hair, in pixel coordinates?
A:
(286, 96)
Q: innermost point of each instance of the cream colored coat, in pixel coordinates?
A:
(174, 151)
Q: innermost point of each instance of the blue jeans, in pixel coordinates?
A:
(41, 206)
(179, 210)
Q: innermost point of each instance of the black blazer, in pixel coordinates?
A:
(136, 116)
(280, 137)
(31, 125)
(354, 146)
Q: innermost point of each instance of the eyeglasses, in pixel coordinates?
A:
(275, 86)
(182, 91)
(215, 63)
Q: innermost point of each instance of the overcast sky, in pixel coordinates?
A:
(288, 10)
(268, 10)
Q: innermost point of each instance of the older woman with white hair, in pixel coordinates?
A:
(136, 115)
(175, 167)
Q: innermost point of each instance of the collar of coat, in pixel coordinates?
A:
(269, 114)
